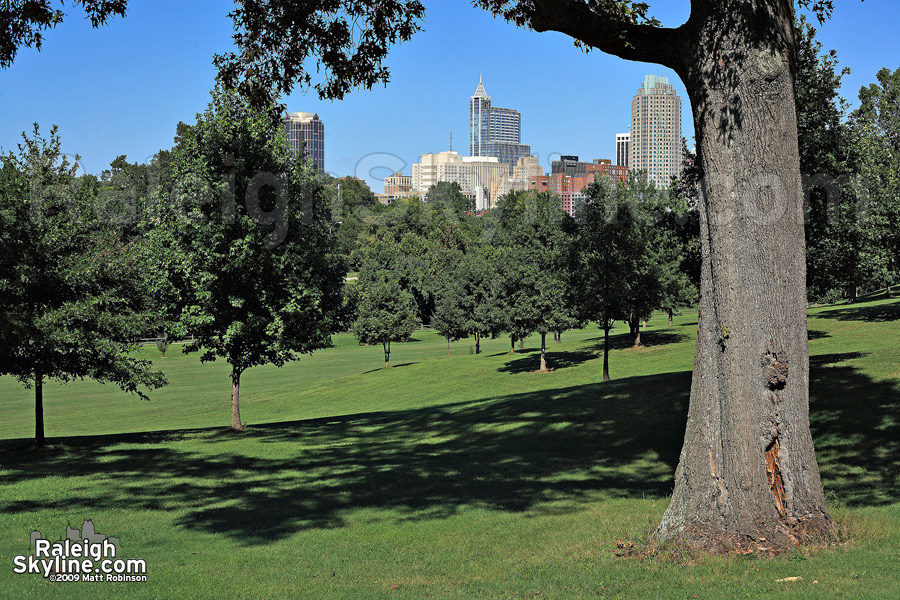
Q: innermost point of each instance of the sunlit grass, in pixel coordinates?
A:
(461, 477)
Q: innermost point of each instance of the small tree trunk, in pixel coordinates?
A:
(448, 347)
(39, 410)
(670, 316)
(512, 344)
(522, 344)
(643, 324)
(477, 344)
(387, 354)
(635, 326)
(543, 352)
(606, 352)
(236, 401)
(852, 294)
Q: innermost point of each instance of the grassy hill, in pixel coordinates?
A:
(444, 477)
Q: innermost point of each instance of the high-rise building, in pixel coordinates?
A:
(622, 141)
(495, 131)
(306, 133)
(655, 144)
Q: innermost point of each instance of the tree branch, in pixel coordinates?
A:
(610, 31)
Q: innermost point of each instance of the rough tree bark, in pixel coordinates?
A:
(747, 473)
(236, 401)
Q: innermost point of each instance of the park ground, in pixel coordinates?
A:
(468, 476)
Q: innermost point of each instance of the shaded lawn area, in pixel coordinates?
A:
(458, 494)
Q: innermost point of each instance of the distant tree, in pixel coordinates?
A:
(875, 148)
(71, 293)
(675, 242)
(450, 194)
(477, 273)
(351, 201)
(162, 344)
(386, 311)
(449, 319)
(608, 241)
(533, 271)
(832, 236)
(242, 236)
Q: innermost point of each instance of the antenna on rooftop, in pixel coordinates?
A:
(451, 141)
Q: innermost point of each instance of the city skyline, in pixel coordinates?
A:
(128, 84)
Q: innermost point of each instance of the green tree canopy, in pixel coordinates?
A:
(71, 292)
(243, 236)
(386, 311)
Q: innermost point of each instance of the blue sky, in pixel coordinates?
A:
(123, 88)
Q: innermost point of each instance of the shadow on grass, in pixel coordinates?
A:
(815, 334)
(855, 422)
(382, 368)
(878, 313)
(562, 360)
(513, 453)
(649, 339)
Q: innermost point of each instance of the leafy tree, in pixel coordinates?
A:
(832, 243)
(351, 201)
(22, 23)
(386, 312)
(450, 194)
(469, 303)
(477, 273)
(533, 271)
(875, 147)
(607, 236)
(449, 319)
(242, 236)
(70, 291)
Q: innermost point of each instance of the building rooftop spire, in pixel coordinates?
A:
(479, 91)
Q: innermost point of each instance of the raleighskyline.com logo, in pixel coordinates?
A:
(84, 555)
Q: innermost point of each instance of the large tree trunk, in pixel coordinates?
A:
(39, 410)
(236, 401)
(747, 476)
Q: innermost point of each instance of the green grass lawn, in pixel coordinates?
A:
(461, 477)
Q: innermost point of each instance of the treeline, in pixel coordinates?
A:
(525, 267)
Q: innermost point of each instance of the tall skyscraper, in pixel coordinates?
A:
(622, 142)
(655, 144)
(495, 131)
(306, 132)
